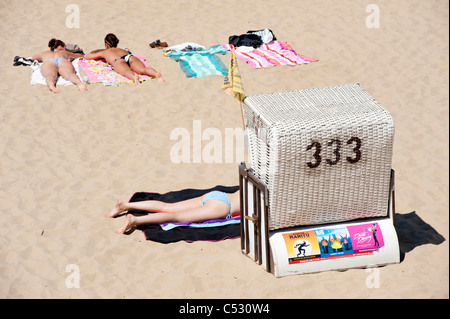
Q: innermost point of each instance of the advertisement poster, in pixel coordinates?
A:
(367, 237)
(334, 241)
(301, 246)
(327, 243)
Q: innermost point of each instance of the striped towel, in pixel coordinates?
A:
(200, 63)
(271, 54)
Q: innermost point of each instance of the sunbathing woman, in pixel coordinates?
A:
(123, 61)
(212, 205)
(57, 62)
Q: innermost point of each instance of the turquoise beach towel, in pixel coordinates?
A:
(200, 63)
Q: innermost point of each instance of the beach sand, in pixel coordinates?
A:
(67, 158)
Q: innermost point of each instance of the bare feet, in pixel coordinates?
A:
(129, 222)
(54, 89)
(82, 87)
(160, 78)
(117, 209)
(136, 79)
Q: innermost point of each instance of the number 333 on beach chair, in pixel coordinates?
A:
(320, 191)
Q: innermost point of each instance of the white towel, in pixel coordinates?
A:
(37, 78)
(266, 35)
(185, 45)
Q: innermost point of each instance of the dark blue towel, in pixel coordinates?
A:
(156, 233)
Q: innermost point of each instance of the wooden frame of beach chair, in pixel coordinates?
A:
(254, 217)
(391, 205)
(320, 164)
(256, 239)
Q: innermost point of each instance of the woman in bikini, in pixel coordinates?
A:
(212, 205)
(123, 61)
(57, 62)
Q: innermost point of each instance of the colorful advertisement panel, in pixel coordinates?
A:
(327, 243)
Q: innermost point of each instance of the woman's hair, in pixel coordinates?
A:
(111, 40)
(53, 44)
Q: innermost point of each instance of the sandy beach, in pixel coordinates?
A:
(65, 159)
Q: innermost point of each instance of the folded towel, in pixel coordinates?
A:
(200, 63)
(75, 48)
(186, 46)
(270, 54)
(265, 34)
(18, 60)
(214, 230)
(37, 78)
(252, 39)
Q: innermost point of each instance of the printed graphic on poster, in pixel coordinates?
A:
(366, 237)
(301, 246)
(327, 243)
(334, 241)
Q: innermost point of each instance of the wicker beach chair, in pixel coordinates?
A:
(324, 155)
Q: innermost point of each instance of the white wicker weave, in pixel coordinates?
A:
(325, 154)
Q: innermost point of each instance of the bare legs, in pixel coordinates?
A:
(50, 74)
(190, 210)
(136, 68)
(121, 67)
(155, 206)
(66, 70)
